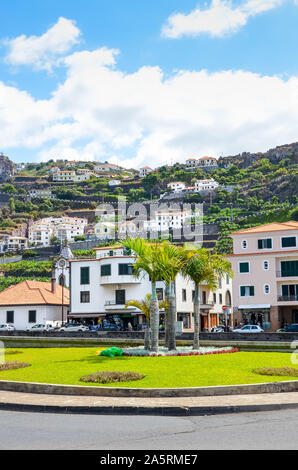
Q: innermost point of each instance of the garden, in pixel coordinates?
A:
(70, 366)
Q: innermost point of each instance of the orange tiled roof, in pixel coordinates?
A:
(273, 227)
(205, 158)
(34, 293)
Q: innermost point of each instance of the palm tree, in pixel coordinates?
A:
(172, 261)
(204, 268)
(144, 306)
(148, 261)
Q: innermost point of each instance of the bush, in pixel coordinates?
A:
(282, 371)
(107, 377)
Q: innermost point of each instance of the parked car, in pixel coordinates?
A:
(40, 327)
(74, 327)
(7, 327)
(249, 329)
(110, 327)
(289, 329)
(217, 329)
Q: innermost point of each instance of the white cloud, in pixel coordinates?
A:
(217, 20)
(141, 118)
(43, 51)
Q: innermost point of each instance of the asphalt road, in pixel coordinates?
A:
(32, 431)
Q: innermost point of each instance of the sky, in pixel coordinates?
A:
(146, 82)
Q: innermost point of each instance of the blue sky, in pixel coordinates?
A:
(206, 90)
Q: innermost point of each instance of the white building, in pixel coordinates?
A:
(114, 183)
(208, 162)
(206, 185)
(64, 228)
(144, 171)
(40, 193)
(166, 219)
(10, 243)
(71, 176)
(100, 288)
(31, 302)
(177, 186)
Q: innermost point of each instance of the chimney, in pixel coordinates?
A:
(53, 282)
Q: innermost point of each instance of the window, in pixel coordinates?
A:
(289, 268)
(244, 267)
(125, 269)
(105, 270)
(214, 298)
(120, 297)
(244, 244)
(85, 297)
(220, 299)
(266, 265)
(288, 242)
(228, 280)
(32, 316)
(265, 243)
(204, 298)
(266, 289)
(111, 253)
(85, 277)
(247, 291)
(183, 295)
(10, 316)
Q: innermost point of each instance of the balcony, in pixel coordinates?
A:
(286, 273)
(287, 298)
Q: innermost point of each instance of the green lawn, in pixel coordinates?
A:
(68, 365)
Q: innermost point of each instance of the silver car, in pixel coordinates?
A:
(7, 327)
(249, 329)
(74, 327)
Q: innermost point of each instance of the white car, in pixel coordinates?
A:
(40, 327)
(74, 327)
(7, 327)
(249, 329)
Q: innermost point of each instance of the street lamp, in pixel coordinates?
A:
(62, 265)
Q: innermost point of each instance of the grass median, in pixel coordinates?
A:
(67, 365)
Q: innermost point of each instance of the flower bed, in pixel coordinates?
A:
(180, 351)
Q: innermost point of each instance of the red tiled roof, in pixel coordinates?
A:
(34, 293)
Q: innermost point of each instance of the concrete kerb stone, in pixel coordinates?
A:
(96, 391)
(149, 411)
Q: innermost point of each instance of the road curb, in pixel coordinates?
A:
(143, 410)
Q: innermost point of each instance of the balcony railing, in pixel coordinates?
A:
(287, 298)
(286, 273)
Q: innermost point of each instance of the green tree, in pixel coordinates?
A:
(202, 267)
(148, 261)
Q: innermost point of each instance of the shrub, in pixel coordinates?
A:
(107, 377)
(281, 371)
(13, 365)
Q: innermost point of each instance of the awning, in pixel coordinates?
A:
(86, 315)
(252, 307)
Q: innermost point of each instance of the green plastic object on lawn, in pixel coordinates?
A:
(112, 352)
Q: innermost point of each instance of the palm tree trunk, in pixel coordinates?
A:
(172, 318)
(167, 294)
(154, 319)
(196, 317)
(147, 338)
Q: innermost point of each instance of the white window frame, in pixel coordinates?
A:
(266, 238)
(266, 261)
(244, 247)
(239, 262)
(246, 285)
(267, 285)
(287, 247)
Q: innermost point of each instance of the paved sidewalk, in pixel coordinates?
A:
(158, 406)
